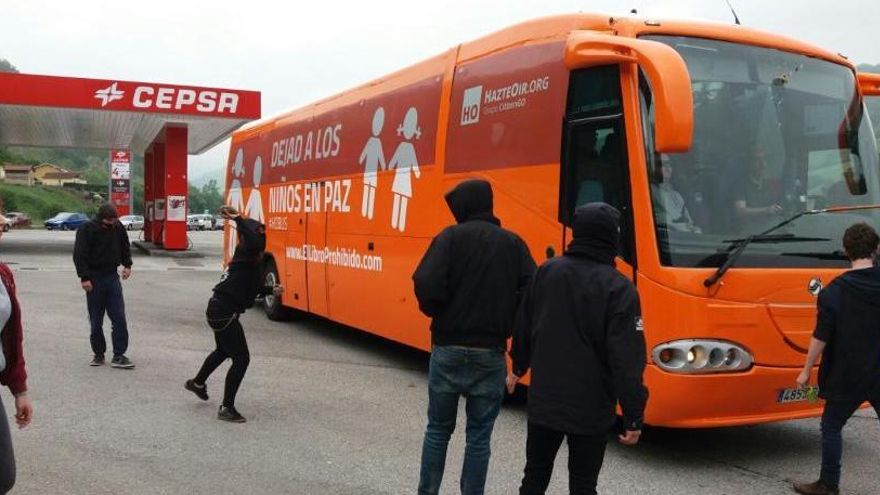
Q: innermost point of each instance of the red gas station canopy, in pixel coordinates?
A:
(50, 111)
(164, 122)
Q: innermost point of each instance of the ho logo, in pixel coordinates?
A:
(470, 105)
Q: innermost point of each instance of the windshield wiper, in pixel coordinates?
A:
(739, 245)
(837, 255)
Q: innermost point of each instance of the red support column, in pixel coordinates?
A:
(148, 194)
(158, 191)
(175, 188)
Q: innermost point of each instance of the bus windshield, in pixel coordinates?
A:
(775, 133)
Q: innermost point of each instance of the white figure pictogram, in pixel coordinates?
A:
(254, 207)
(404, 162)
(235, 199)
(373, 160)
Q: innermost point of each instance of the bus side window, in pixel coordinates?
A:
(595, 166)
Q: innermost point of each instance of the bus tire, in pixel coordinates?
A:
(275, 311)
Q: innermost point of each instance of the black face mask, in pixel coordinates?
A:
(106, 226)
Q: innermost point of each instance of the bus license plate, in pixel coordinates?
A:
(790, 395)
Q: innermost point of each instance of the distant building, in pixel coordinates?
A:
(12, 173)
(48, 174)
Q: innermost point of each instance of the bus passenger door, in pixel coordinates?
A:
(296, 293)
(595, 167)
(316, 241)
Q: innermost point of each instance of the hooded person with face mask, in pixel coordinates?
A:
(468, 282)
(101, 246)
(239, 286)
(579, 329)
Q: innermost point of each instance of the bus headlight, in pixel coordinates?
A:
(701, 356)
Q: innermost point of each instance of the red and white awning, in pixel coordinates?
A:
(49, 111)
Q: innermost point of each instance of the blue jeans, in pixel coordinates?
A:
(834, 418)
(478, 375)
(106, 296)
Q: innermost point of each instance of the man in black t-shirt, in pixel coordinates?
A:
(848, 338)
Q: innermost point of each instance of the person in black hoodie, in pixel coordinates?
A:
(848, 339)
(579, 330)
(468, 282)
(101, 246)
(236, 292)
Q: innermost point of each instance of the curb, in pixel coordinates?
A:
(151, 249)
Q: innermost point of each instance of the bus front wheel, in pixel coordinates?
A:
(272, 305)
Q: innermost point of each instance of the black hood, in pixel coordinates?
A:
(471, 200)
(250, 247)
(596, 229)
(865, 284)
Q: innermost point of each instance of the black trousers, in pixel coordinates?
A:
(585, 456)
(834, 418)
(230, 343)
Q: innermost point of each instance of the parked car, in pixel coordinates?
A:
(199, 222)
(17, 219)
(5, 222)
(66, 221)
(132, 222)
(219, 222)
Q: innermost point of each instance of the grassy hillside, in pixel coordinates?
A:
(43, 202)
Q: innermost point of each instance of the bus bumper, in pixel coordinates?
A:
(708, 401)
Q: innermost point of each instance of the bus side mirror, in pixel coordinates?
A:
(666, 70)
(869, 84)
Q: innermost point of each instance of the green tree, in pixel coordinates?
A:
(211, 195)
(6, 66)
(196, 204)
(207, 198)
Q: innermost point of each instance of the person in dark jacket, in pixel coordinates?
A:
(579, 330)
(468, 282)
(848, 339)
(12, 372)
(239, 286)
(101, 246)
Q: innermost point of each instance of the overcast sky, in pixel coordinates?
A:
(295, 52)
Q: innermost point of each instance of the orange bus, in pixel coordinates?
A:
(705, 136)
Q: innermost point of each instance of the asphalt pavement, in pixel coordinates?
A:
(330, 410)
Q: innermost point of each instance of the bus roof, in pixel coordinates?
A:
(548, 29)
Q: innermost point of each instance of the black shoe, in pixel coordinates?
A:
(122, 362)
(230, 414)
(201, 392)
(98, 360)
(815, 488)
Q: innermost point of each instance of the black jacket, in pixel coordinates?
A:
(579, 330)
(242, 280)
(99, 251)
(471, 277)
(848, 312)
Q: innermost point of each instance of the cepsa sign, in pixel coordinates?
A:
(182, 99)
(168, 98)
(127, 96)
